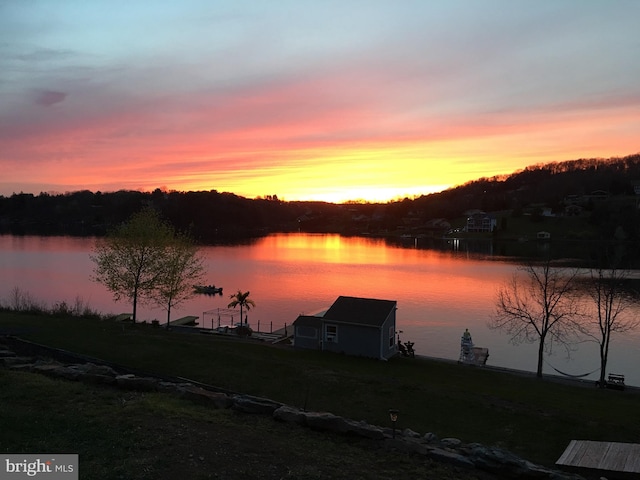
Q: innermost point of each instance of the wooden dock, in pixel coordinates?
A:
(619, 459)
(476, 356)
(189, 320)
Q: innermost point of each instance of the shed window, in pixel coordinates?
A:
(331, 333)
(392, 335)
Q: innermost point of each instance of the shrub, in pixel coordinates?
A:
(244, 331)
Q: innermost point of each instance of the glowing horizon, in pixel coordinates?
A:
(309, 101)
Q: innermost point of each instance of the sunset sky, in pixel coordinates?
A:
(310, 100)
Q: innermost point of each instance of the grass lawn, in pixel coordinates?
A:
(125, 435)
(533, 418)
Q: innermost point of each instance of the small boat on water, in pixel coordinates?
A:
(207, 289)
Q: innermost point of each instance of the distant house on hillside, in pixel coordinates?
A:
(481, 222)
(573, 210)
(598, 195)
(583, 200)
(352, 325)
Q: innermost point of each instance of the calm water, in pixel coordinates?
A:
(439, 294)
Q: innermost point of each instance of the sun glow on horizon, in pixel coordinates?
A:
(377, 173)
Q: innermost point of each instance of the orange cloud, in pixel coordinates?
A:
(333, 137)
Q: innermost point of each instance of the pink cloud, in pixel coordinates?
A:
(228, 135)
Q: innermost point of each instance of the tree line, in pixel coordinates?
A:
(214, 217)
(209, 217)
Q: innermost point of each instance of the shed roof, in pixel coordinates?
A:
(363, 311)
(308, 321)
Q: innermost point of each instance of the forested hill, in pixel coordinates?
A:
(545, 184)
(604, 189)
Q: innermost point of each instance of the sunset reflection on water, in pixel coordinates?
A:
(439, 293)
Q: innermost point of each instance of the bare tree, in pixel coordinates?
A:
(538, 305)
(611, 300)
(182, 266)
(129, 261)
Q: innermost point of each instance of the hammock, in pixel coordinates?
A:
(570, 375)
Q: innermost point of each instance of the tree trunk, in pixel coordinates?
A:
(135, 305)
(603, 368)
(540, 357)
(604, 354)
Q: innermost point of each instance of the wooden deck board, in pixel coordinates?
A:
(606, 456)
(568, 454)
(633, 464)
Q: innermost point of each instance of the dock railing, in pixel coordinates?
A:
(219, 318)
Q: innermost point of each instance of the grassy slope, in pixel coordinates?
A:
(125, 435)
(535, 419)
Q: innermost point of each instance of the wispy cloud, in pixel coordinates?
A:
(46, 98)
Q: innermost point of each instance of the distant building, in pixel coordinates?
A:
(355, 326)
(598, 195)
(573, 210)
(547, 212)
(583, 200)
(573, 200)
(481, 222)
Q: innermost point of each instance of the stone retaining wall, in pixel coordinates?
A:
(451, 450)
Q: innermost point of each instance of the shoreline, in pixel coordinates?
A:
(576, 382)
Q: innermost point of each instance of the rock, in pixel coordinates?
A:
(333, 423)
(407, 432)
(447, 456)
(364, 429)
(7, 353)
(131, 382)
(69, 373)
(22, 367)
(9, 361)
(506, 464)
(172, 387)
(47, 368)
(92, 368)
(451, 442)
(494, 458)
(250, 404)
(431, 438)
(325, 421)
(96, 378)
(205, 397)
(89, 372)
(289, 414)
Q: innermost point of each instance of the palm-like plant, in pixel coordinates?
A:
(241, 299)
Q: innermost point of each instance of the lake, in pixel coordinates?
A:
(439, 292)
